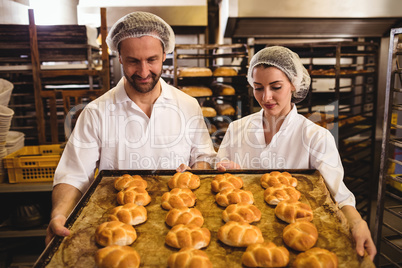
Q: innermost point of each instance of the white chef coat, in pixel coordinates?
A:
(299, 144)
(112, 132)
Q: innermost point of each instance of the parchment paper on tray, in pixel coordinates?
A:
(79, 248)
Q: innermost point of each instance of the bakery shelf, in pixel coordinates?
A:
(10, 233)
(212, 57)
(26, 187)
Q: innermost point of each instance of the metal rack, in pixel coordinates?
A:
(388, 223)
(213, 56)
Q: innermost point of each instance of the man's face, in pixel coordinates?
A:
(142, 60)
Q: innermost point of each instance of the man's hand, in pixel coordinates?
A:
(56, 227)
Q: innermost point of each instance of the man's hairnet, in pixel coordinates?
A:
(137, 24)
(288, 62)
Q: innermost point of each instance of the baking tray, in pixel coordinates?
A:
(78, 249)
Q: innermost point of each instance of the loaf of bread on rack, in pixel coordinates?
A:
(300, 236)
(184, 180)
(138, 196)
(197, 91)
(129, 213)
(194, 71)
(223, 89)
(178, 198)
(190, 235)
(275, 194)
(225, 109)
(242, 212)
(226, 181)
(184, 215)
(265, 254)
(277, 178)
(225, 71)
(316, 257)
(291, 211)
(127, 180)
(208, 111)
(115, 233)
(117, 256)
(189, 257)
(211, 128)
(233, 196)
(239, 234)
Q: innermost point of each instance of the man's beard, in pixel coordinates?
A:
(143, 88)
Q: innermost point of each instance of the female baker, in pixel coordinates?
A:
(278, 137)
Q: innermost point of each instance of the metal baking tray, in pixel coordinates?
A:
(78, 249)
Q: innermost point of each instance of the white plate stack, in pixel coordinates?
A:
(6, 114)
(6, 88)
(15, 140)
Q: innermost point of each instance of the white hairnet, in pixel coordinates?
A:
(137, 24)
(288, 62)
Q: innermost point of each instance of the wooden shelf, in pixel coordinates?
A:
(26, 187)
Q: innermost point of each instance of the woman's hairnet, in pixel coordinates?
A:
(137, 24)
(288, 62)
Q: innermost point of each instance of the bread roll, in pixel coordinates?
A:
(117, 257)
(184, 180)
(239, 234)
(265, 254)
(197, 91)
(316, 258)
(224, 90)
(127, 180)
(208, 112)
(225, 109)
(301, 235)
(275, 194)
(177, 198)
(233, 196)
(129, 213)
(138, 196)
(189, 235)
(291, 211)
(225, 71)
(115, 233)
(276, 178)
(241, 212)
(188, 258)
(226, 181)
(194, 71)
(184, 215)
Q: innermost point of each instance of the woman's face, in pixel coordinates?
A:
(272, 90)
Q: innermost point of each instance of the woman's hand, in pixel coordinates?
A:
(223, 165)
(56, 227)
(360, 232)
(362, 237)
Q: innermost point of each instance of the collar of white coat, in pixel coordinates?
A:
(121, 94)
(289, 118)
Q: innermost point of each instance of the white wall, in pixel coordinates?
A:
(50, 12)
(12, 12)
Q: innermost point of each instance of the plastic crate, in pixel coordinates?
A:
(33, 163)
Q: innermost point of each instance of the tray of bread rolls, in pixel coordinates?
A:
(240, 218)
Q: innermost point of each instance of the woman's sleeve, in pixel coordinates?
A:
(324, 157)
